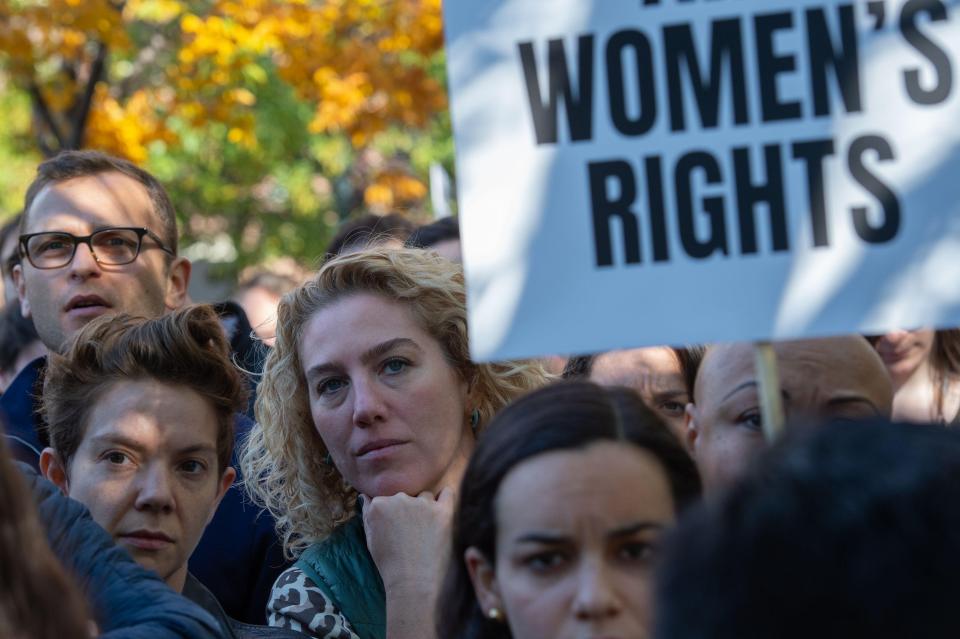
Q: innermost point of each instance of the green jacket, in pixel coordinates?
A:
(343, 569)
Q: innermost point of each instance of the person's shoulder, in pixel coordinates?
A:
(289, 588)
(297, 603)
(18, 409)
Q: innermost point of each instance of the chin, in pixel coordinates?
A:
(395, 484)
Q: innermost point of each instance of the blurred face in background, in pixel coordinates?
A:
(260, 306)
(654, 373)
(820, 379)
(903, 352)
(575, 550)
(9, 257)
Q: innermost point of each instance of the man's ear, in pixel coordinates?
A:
(178, 281)
(21, 284)
(226, 481)
(484, 580)
(53, 468)
(693, 431)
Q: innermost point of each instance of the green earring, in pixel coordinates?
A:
(475, 419)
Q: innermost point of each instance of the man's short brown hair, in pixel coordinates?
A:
(68, 165)
(186, 347)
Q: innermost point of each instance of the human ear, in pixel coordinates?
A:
(21, 284)
(226, 481)
(484, 580)
(53, 468)
(693, 431)
(178, 281)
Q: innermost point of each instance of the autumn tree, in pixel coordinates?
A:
(269, 121)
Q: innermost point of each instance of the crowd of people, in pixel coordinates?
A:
(322, 458)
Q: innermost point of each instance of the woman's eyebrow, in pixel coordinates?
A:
(198, 449)
(371, 354)
(383, 348)
(749, 384)
(634, 528)
(668, 395)
(739, 388)
(322, 369)
(842, 400)
(545, 538)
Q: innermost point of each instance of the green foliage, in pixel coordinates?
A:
(18, 153)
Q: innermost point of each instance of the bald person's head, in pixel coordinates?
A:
(837, 377)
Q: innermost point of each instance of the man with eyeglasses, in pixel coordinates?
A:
(98, 237)
(63, 283)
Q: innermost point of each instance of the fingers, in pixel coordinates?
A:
(447, 496)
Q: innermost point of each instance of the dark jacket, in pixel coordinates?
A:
(127, 601)
(233, 629)
(342, 567)
(239, 556)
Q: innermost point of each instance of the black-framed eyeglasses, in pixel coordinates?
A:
(113, 246)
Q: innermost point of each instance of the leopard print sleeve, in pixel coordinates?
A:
(298, 604)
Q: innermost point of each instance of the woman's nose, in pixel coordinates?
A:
(154, 490)
(369, 406)
(595, 596)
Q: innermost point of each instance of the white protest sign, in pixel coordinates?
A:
(637, 172)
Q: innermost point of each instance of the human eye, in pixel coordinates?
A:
(672, 408)
(636, 551)
(395, 365)
(116, 239)
(116, 458)
(545, 561)
(193, 466)
(750, 419)
(53, 243)
(330, 386)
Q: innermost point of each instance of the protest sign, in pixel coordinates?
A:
(638, 172)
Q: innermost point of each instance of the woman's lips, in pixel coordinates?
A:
(379, 448)
(146, 540)
(890, 357)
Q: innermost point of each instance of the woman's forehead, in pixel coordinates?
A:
(351, 326)
(560, 488)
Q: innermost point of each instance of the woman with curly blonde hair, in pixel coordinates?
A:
(367, 414)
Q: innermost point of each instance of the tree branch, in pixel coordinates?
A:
(83, 113)
(41, 108)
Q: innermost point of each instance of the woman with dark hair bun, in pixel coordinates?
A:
(559, 515)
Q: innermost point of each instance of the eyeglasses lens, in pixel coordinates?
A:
(111, 246)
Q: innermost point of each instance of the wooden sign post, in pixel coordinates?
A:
(771, 400)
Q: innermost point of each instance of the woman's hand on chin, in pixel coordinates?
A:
(409, 540)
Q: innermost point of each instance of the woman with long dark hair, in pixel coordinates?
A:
(559, 515)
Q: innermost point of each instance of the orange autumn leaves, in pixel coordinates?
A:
(361, 62)
(361, 65)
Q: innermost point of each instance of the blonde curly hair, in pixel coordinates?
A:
(283, 457)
